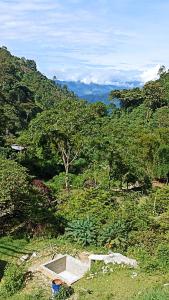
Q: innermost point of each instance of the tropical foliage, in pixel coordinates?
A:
(95, 174)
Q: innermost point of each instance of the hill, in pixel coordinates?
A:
(24, 92)
(96, 92)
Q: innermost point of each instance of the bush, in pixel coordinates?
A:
(146, 238)
(163, 256)
(57, 183)
(114, 235)
(158, 200)
(82, 231)
(14, 184)
(151, 262)
(13, 279)
(80, 204)
(64, 293)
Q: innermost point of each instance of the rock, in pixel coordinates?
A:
(28, 256)
(134, 274)
(24, 257)
(34, 254)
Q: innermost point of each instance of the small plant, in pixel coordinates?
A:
(82, 231)
(64, 293)
(113, 235)
(163, 256)
(95, 269)
(99, 268)
(13, 279)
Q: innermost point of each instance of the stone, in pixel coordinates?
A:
(134, 274)
(24, 257)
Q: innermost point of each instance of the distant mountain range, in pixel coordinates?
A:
(96, 92)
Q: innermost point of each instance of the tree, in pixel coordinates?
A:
(128, 98)
(14, 186)
(162, 71)
(154, 95)
(61, 132)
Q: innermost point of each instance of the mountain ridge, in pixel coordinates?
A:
(93, 92)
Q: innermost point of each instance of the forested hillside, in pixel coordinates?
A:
(91, 174)
(24, 92)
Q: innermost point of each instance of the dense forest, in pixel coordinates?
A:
(93, 174)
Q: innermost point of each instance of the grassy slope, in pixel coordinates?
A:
(117, 285)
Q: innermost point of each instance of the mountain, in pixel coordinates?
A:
(96, 92)
(24, 92)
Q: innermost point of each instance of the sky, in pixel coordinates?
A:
(101, 41)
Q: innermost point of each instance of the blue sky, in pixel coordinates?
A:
(97, 40)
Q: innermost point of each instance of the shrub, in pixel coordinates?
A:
(64, 293)
(82, 231)
(13, 279)
(146, 238)
(91, 202)
(114, 235)
(57, 183)
(158, 200)
(163, 256)
(14, 184)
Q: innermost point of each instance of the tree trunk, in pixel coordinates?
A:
(127, 185)
(109, 177)
(121, 183)
(67, 177)
(154, 206)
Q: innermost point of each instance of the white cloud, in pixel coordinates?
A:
(150, 74)
(79, 40)
(97, 75)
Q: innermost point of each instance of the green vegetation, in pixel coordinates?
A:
(89, 177)
(156, 294)
(64, 293)
(110, 280)
(13, 280)
(82, 231)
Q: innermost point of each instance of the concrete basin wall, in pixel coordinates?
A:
(58, 265)
(75, 266)
(65, 267)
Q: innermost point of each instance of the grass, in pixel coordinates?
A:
(155, 294)
(118, 283)
(11, 249)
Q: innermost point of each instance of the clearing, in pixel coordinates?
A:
(114, 282)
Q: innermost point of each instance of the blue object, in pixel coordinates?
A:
(55, 288)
